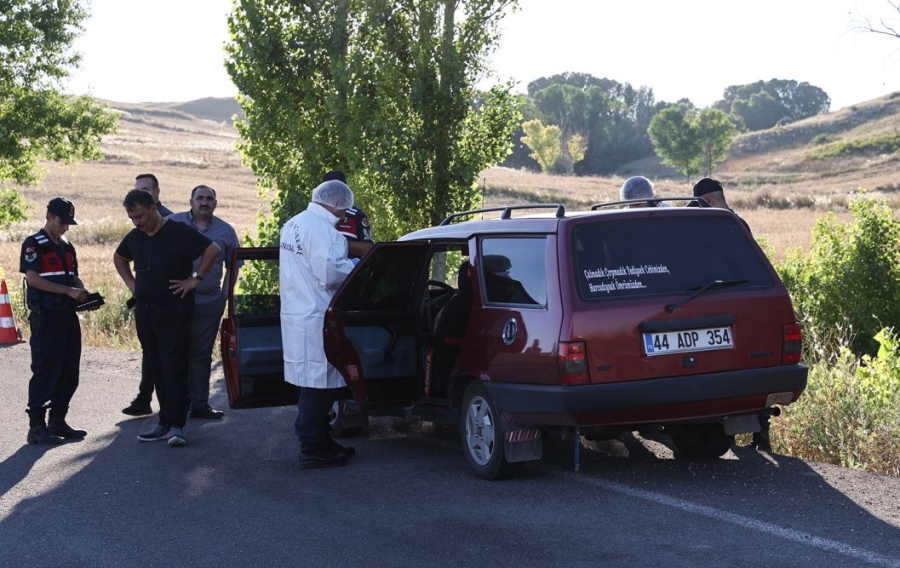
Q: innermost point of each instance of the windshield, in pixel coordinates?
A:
(653, 256)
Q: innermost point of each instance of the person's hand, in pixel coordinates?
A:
(182, 287)
(78, 294)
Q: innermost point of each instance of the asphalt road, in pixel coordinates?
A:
(235, 497)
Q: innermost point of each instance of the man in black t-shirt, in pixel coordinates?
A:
(162, 283)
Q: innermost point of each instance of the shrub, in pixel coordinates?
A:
(850, 279)
(882, 144)
(562, 165)
(850, 412)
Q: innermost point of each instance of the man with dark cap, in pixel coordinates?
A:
(354, 225)
(50, 266)
(711, 190)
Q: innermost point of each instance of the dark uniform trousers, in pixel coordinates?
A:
(313, 405)
(55, 358)
(164, 331)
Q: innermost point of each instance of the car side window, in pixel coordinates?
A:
(513, 270)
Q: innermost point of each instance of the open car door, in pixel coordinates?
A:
(372, 327)
(251, 332)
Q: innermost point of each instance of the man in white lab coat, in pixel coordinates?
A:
(313, 263)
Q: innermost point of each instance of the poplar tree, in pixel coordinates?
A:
(382, 90)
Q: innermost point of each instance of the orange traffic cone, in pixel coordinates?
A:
(8, 333)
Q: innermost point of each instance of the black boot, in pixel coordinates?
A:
(58, 426)
(37, 431)
(321, 454)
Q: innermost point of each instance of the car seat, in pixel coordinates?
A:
(449, 329)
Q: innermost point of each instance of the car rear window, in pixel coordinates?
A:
(628, 258)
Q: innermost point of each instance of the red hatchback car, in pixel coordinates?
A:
(596, 323)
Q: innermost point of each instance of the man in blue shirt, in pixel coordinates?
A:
(209, 298)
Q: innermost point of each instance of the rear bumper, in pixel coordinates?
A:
(651, 400)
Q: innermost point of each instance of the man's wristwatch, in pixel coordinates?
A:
(197, 276)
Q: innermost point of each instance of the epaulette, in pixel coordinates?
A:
(41, 239)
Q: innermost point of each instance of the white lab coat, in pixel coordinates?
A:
(313, 263)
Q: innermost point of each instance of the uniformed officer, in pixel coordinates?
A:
(354, 225)
(54, 290)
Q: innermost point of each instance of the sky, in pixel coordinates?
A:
(171, 50)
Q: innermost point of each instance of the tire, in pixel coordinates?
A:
(702, 441)
(337, 421)
(482, 434)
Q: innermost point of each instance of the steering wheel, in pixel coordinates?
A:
(446, 291)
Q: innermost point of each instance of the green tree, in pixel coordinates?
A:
(691, 141)
(716, 133)
(761, 111)
(576, 147)
(543, 141)
(380, 89)
(37, 120)
(764, 104)
(676, 139)
(611, 117)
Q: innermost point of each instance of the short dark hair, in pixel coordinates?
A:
(193, 191)
(706, 185)
(334, 174)
(150, 177)
(137, 197)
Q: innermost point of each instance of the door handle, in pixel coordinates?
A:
(510, 329)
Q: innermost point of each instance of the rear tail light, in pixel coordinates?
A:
(793, 341)
(573, 367)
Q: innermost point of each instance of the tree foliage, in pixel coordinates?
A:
(382, 90)
(691, 141)
(610, 117)
(764, 104)
(850, 278)
(576, 147)
(675, 139)
(37, 120)
(716, 132)
(543, 141)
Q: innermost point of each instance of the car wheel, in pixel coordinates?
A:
(339, 424)
(482, 434)
(702, 440)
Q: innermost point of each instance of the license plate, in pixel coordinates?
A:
(687, 341)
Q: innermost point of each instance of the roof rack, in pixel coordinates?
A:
(507, 211)
(654, 201)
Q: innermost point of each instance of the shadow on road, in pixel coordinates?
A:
(234, 496)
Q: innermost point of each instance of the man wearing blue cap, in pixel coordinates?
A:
(54, 291)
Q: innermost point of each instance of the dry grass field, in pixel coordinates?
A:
(770, 180)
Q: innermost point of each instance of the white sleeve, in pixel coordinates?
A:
(328, 257)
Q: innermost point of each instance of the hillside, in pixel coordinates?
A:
(772, 177)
